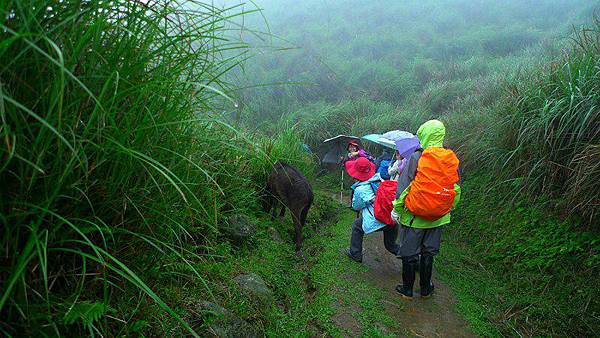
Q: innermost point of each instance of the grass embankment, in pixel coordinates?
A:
(307, 290)
(115, 177)
(518, 268)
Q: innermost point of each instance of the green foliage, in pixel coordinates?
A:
(546, 138)
(392, 51)
(114, 173)
(308, 290)
(86, 313)
(284, 144)
(536, 274)
(475, 65)
(486, 70)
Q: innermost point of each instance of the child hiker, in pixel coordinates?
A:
(362, 200)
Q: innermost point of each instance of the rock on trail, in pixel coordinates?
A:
(254, 285)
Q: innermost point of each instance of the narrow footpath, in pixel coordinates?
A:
(367, 303)
(432, 317)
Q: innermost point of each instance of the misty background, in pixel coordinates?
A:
(426, 56)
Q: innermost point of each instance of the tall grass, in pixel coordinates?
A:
(536, 125)
(549, 135)
(109, 159)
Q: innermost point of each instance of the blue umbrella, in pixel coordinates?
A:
(378, 139)
(372, 137)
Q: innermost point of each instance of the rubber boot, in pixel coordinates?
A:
(409, 269)
(425, 270)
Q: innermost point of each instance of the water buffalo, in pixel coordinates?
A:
(286, 185)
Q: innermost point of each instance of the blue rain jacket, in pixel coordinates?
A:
(363, 199)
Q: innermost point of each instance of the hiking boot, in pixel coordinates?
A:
(347, 252)
(428, 291)
(425, 270)
(409, 268)
(404, 291)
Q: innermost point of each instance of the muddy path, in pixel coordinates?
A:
(436, 316)
(432, 317)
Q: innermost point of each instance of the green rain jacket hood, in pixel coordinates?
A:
(430, 134)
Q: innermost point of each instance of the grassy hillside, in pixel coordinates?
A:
(423, 55)
(516, 84)
(122, 175)
(514, 81)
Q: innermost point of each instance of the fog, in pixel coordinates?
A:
(399, 52)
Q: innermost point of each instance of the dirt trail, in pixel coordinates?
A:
(432, 317)
(435, 316)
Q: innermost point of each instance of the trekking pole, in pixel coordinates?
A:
(342, 188)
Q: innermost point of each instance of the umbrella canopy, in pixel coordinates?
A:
(372, 137)
(378, 139)
(407, 146)
(337, 147)
(395, 135)
(387, 143)
(389, 139)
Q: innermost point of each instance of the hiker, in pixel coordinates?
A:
(355, 152)
(424, 199)
(364, 191)
(396, 168)
(382, 163)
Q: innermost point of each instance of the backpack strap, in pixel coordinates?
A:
(370, 213)
(372, 188)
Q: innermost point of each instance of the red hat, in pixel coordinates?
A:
(361, 169)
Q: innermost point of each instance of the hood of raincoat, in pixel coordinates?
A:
(354, 143)
(431, 134)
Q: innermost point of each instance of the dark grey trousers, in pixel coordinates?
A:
(390, 234)
(415, 242)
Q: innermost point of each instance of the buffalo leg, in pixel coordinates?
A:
(282, 213)
(273, 207)
(298, 226)
(303, 215)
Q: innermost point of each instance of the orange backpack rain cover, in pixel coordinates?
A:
(432, 191)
